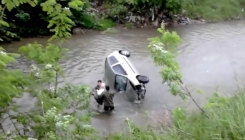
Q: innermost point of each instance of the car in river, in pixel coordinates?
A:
(122, 76)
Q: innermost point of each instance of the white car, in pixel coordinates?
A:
(122, 76)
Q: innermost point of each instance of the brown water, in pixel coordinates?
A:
(212, 55)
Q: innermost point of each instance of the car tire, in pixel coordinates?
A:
(125, 53)
(143, 79)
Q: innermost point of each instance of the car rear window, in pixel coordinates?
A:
(112, 60)
(119, 69)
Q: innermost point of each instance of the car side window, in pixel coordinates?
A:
(120, 83)
(112, 60)
(119, 69)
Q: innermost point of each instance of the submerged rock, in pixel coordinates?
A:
(110, 30)
(78, 30)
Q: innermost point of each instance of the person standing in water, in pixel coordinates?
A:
(99, 88)
(99, 85)
(108, 96)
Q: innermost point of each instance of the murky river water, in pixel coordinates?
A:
(212, 55)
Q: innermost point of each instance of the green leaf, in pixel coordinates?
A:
(2, 64)
(32, 3)
(14, 55)
(10, 5)
(16, 2)
(4, 23)
(51, 23)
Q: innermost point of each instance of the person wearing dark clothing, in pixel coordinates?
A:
(108, 99)
(99, 99)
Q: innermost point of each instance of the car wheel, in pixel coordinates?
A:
(125, 53)
(143, 79)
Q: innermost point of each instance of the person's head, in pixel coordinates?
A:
(99, 82)
(107, 88)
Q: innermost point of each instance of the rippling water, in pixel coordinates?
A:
(211, 55)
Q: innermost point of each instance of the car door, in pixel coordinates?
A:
(121, 83)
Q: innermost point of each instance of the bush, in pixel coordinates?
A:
(225, 121)
(104, 24)
(213, 10)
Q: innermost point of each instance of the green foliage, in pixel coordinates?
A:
(23, 16)
(136, 132)
(13, 4)
(60, 17)
(73, 97)
(104, 24)
(129, 25)
(91, 21)
(86, 20)
(42, 55)
(174, 6)
(114, 9)
(11, 81)
(30, 17)
(208, 9)
(9, 5)
(60, 112)
(178, 116)
(162, 51)
(216, 101)
(53, 123)
(47, 59)
(225, 121)
(26, 20)
(220, 10)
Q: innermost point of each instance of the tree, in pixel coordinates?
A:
(163, 54)
(56, 115)
(9, 5)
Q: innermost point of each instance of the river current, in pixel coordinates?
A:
(212, 55)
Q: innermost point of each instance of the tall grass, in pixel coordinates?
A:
(226, 121)
(105, 24)
(214, 10)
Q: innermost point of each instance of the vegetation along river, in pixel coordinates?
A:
(211, 55)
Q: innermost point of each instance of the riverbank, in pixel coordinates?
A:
(101, 15)
(129, 26)
(140, 15)
(224, 119)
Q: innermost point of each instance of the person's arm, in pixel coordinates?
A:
(114, 93)
(95, 88)
(103, 85)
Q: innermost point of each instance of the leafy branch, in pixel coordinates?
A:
(52, 120)
(163, 50)
(60, 22)
(9, 5)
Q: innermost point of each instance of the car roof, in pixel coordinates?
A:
(121, 65)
